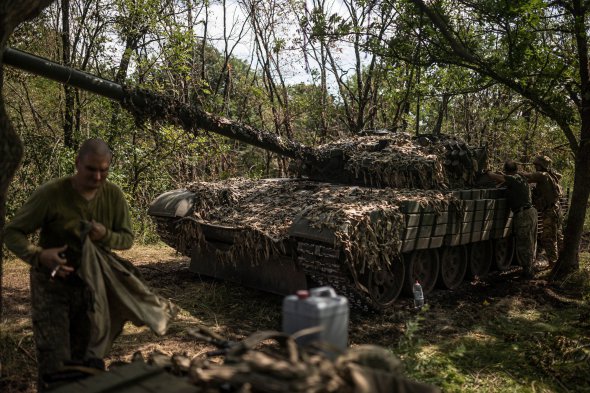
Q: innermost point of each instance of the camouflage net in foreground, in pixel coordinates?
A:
(271, 362)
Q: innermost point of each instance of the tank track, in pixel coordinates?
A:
(323, 265)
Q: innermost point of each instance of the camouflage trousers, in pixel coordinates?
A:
(550, 236)
(525, 238)
(61, 327)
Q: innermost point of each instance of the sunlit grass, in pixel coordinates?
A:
(518, 345)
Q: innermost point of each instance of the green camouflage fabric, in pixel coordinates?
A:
(525, 236)
(549, 237)
(76, 320)
(119, 294)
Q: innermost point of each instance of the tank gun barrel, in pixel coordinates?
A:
(66, 75)
(145, 104)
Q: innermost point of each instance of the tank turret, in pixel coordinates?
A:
(368, 215)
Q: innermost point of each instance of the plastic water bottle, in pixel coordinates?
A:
(418, 295)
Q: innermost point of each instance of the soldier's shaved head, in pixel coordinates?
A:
(92, 165)
(95, 146)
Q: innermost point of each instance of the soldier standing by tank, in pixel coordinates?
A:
(59, 297)
(524, 220)
(546, 194)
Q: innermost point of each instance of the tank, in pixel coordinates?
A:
(366, 215)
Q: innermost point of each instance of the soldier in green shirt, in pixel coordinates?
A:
(59, 298)
(524, 220)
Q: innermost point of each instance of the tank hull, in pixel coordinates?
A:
(278, 275)
(457, 239)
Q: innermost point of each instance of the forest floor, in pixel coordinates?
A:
(500, 334)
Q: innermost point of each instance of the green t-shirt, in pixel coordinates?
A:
(58, 210)
(518, 192)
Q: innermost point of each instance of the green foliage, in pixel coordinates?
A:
(310, 124)
(150, 159)
(325, 27)
(414, 72)
(135, 18)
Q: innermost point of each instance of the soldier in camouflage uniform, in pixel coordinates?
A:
(59, 297)
(546, 196)
(524, 221)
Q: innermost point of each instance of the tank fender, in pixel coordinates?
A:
(176, 203)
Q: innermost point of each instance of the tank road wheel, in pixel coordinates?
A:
(384, 285)
(503, 252)
(453, 266)
(421, 265)
(480, 258)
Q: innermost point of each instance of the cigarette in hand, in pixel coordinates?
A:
(55, 270)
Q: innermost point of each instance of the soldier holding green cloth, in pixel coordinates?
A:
(80, 218)
(524, 220)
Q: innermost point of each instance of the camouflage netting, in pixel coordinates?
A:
(397, 160)
(145, 105)
(388, 160)
(367, 223)
(268, 361)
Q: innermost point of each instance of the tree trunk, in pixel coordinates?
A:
(569, 257)
(68, 90)
(324, 92)
(526, 142)
(11, 151)
(12, 13)
(442, 109)
(568, 260)
(204, 43)
(131, 44)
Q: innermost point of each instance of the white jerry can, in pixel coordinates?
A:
(319, 308)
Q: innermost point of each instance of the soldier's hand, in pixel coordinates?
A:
(98, 231)
(54, 259)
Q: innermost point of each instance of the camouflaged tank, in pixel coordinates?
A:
(367, 215)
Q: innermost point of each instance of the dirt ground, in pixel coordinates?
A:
(474, 312)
